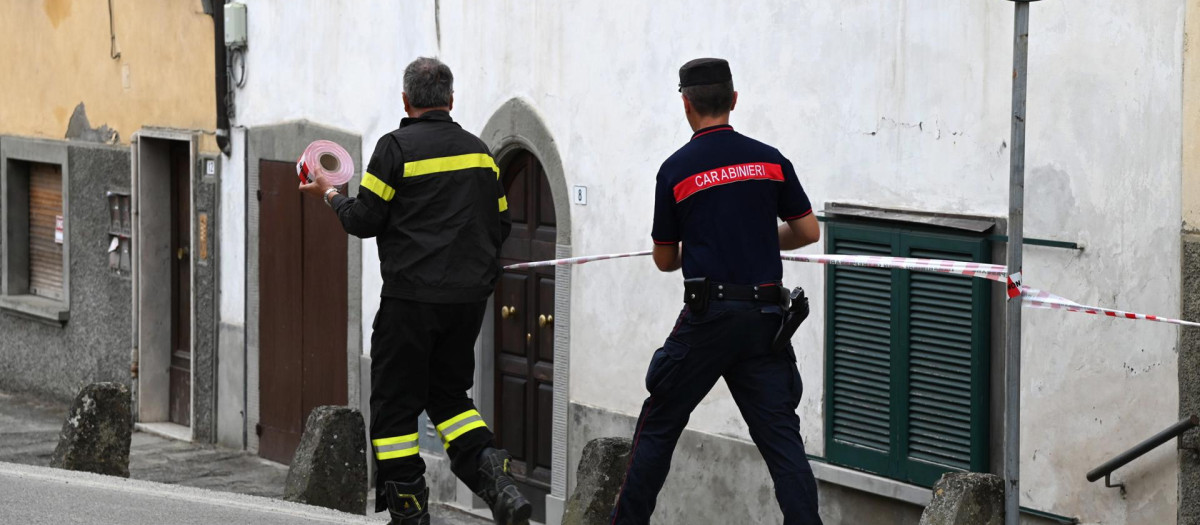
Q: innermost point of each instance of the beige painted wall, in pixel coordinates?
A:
(1191, 118)
(57, 55)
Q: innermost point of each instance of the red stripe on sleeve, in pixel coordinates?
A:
(801, 216)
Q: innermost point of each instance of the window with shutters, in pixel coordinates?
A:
(906, 356)
(35, 230)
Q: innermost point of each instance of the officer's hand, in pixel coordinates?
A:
(317, 187)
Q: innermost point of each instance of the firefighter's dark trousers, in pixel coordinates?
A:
(732, 339)
(423, 359)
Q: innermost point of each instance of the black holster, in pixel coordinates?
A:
(695, 294)
(797, 312)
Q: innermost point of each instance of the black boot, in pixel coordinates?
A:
(408, 503)
(497, 488)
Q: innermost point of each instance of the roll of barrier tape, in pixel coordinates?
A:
(328, 159)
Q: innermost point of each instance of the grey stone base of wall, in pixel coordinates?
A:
(1189, 380)
(720, 476)
(715, 475)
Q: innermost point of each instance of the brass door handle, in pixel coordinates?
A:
(544, 320)
(507, 311)
(179, 254)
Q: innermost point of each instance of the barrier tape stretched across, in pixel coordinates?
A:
(574, 260)
(1030, 297)
(1034, 298)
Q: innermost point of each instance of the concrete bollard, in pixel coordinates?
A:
(330, 466)
(95, 437)
(966, 498)
(598, 481)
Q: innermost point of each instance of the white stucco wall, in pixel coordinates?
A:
(337, 64)
(892, 104)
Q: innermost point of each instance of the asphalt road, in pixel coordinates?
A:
(173, 481)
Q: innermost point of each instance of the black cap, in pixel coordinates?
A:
(703, 71)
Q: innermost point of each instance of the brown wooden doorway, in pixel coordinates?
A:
(302, 309)
(524, 331)
(180, 392)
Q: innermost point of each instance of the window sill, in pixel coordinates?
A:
(37, 308)
(869, 483)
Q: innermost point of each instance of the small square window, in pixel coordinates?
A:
(34, 280)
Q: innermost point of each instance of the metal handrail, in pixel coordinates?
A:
(1172, 432)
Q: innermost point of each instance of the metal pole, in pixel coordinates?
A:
(1012, 319)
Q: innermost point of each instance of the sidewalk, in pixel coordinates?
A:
(29, 432)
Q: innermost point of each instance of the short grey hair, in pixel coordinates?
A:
(428, 83)
(710, 100)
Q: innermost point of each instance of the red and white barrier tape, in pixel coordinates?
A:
(1034, 298)
(993, 272)
(1031, 297)
(574, 260)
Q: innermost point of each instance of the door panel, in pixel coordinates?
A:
(511, 296)
(544, 322)
(302, 310)
(524, 345)
(545, 417)
(180, 396)
(512, 405)
(324, 284)
(281, 332)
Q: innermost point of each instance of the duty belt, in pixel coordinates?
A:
(699, 291)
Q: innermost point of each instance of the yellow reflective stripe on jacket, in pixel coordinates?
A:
(396, 447)
(459, 425)
(504, 203)
(378, 187)
(417, 168)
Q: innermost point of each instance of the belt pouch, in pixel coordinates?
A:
(695, 294)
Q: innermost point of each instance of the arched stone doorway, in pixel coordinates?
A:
(523, 372)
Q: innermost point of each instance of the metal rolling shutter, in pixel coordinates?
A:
(936, 376)
(45, 255)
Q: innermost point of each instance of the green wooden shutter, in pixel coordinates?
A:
(859, 339)
(917, 407)
(946, 414)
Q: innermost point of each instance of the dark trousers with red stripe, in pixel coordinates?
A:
(732, 339)
(423, 359)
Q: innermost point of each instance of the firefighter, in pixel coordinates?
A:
(432, 198)
(720, 196)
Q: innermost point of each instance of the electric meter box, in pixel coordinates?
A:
(235, 25)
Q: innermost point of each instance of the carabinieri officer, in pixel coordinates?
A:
(721, 195)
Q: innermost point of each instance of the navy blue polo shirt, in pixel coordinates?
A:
(721, 195)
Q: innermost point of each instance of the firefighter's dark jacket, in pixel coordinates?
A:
(433, 197)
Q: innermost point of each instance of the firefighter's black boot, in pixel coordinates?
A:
(497, 488)
(408, 503)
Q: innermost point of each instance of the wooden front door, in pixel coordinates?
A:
(524, 345)
(302, 309)
(180, 396)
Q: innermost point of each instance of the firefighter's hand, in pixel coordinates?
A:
(317, 187)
